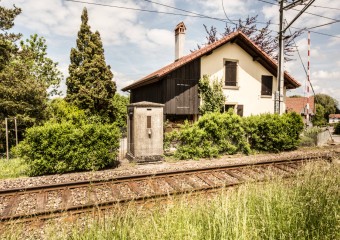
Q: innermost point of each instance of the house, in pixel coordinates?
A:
(303, 106)
(334, 118)
(248, 74)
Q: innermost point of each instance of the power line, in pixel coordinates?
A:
(332, 8)
(147, 10)
(313, 14)
(186, 15)
(320, 33)
(225, 13)
(183, 10)
(322, 25)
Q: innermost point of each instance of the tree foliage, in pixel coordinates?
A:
(7, 46)
(41, 67)
(329, 104)
(25, 74)
(212, 95)
(264, 38)
(90, 85)
(319, 117)
(120, 103)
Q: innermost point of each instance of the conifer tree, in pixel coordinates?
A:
(90, 85)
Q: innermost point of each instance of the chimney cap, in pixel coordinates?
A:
(180, 28)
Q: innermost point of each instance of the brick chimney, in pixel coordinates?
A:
(179, 40)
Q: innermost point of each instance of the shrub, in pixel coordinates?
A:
(274, 133)
(66, 147)
(212, 135)
(337, 128)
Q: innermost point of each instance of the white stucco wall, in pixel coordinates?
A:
(249, 74)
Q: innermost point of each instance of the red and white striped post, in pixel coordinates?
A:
(308, 81)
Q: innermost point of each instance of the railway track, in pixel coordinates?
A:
(50, 201)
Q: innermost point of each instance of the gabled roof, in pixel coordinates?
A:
(298, 104)
(237, 37)
(334, 116)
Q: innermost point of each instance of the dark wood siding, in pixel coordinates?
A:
(150, 93)
(178, 90)
(182, 89)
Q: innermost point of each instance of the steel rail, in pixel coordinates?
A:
(81, 208)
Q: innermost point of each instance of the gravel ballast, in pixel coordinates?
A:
(128, 169)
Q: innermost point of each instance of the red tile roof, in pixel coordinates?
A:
(334, 116)
(251, 46)
(297, 104)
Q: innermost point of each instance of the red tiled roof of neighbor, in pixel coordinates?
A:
(334, 116)
(297, 104)
(155, 76)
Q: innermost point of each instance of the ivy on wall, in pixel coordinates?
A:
(211, 94)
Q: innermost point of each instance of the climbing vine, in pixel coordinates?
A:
(211, 94)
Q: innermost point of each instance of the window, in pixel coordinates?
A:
(229, 106)
(148, 122)
(230, 73)
(238, 109)
(267, 85)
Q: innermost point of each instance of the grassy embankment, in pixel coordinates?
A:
(307, 207)
(13, 168)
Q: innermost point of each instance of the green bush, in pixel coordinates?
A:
(337, 128)
(212, 135)
(66, 147)
(215, 134)
(274, 133)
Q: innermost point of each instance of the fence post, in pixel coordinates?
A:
(16, 131)
(7, 153)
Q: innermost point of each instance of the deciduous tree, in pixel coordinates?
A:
(263, 37)
(25, 74)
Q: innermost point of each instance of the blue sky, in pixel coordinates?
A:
(137, 43)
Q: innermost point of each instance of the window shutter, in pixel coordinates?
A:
(267, 85)
(230, 73)
(240, 110)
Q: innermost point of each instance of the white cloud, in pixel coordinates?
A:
(161, 8)
(326, 75)
(214, 8)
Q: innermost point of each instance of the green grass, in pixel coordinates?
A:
(304, 208)
(12, 168)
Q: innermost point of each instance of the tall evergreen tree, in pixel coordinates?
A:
(90, 85)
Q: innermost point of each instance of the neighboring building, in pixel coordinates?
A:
(248, 74)
(303, 106)
(334, 118)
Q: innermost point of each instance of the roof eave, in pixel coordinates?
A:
(141, 83)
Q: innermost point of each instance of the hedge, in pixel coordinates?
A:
(67, 147)
(227, 133)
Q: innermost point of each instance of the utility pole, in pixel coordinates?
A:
(278, 106)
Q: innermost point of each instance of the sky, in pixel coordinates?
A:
(137, 42)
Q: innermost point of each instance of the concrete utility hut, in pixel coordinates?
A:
(145, 132)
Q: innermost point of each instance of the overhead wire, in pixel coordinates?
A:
(308, 28)
(314, 14)
(225, 13)
(191, 12)
(196, 15)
